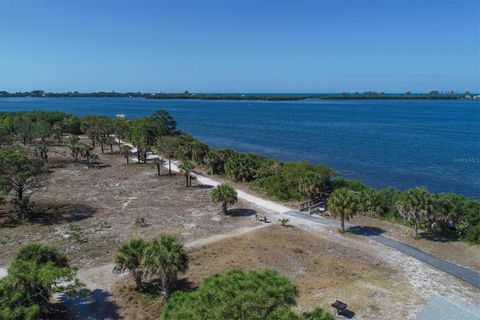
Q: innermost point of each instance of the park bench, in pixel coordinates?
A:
(264, 219)
(340, 306)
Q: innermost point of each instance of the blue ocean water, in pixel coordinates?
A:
(400, 143)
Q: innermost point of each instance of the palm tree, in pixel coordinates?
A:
(126, 152)
(57, 131)
(225, 194)
(130, 258)
(166, 258)
(344, 203)
(312, 184)
(167, 145)
(159, 163)
(186, 168)
(86, 152)
(42, 152)
(414, 204)
(212, 159)
(73, 144)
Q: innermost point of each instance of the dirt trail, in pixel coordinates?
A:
(100, 282)
(265, 204)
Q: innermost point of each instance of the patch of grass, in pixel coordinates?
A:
(76, 233)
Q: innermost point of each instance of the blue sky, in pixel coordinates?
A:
(240, 46)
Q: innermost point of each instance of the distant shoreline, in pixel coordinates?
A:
(247, 96)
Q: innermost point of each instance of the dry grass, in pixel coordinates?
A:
(112, 203)
(458, 252)
(323, 271)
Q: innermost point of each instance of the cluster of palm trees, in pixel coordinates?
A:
(80, 150)
(163, 259)
(434, 212)
(31, 126)
(186, 168)
(281, 180)
(413, 204)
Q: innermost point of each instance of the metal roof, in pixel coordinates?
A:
(443, 308)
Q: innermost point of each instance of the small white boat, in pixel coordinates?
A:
(121, 115)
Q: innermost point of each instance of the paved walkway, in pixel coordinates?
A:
(457, 271)
(462, 273)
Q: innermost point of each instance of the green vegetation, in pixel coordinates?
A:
(226, 195)
(285, 97)
(164, 258)
(34, 275)
(36, 271)
(130, 259)
(447, 214)
(238, 96)
(344, 203)
(415, 205)
(159, 163)
(186, 168)
(239, 295)
(20, 176)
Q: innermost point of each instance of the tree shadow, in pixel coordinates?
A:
(241, 212)
(61, 213)
(202, 186)
(365, 230)
(55, 163)
(154, 287)
(114, 152)
(96, 304)
(100, 166)
(437, 237)
(185, 285)
(347, 314)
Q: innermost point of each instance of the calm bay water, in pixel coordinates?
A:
(400, 143)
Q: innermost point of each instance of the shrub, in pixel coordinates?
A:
(225, 194)
(473, 234)
(236, 295)
(33, 277)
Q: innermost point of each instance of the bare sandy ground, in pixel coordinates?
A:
(114, 202)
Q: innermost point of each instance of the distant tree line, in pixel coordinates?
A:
(443, 213)
(237, 96)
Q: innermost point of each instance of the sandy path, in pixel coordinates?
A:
(265, 204)
(100, 281)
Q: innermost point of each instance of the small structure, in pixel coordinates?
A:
(264, 219)
(340, 306)
(443, 308)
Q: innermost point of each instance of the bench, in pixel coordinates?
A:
(340, 306)
(264, 219)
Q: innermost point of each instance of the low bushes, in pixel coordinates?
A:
(440, 213)
(35, 274)
(240, 295)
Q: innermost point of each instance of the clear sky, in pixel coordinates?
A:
(240, 45)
